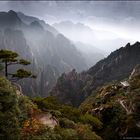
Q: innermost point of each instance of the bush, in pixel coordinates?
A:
(47, 134)
(69, 134)
(85, 133)
(47, 103)
(24, 105)
(13, 111)
(93, 121)
(9, 111)
(70, 113)
(56, 113)
(66, 123)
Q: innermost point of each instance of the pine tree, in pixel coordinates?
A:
(8, 57)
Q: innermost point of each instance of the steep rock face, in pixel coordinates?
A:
(117, 66)
(29, 19)
(53, 54)
(69, 87)
(15, 40)
(50, 53)
(10, 19)
(69, 55)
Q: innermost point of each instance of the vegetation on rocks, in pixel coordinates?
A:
(110, 112)
(117, 107)
(19, 118)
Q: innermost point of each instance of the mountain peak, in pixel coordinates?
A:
(137, 43)
(12, 12)
(128, 45)
(36, 24)
(9, 19)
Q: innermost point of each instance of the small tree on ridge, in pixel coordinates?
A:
(8, 57)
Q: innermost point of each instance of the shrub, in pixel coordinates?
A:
(9, 111)
(85, 133)
(93, 121)
(66, 123)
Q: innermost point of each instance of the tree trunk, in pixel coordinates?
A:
(6, 70)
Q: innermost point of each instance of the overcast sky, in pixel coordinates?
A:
(122, 13)
(77, 10)
(120, 17)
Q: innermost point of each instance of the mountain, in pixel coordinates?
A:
(9, 19)
(73, 30)
(111, 112)
(50, 54)
(41, 118)
(100, 38)
(82, 36)
(117, 105)
(29, 19)
(74, 87)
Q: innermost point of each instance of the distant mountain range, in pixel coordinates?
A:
(73, 88)
(80, 32)
(29, 19)
(84, 39)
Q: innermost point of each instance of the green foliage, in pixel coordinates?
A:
(49, 103)
(24, 62)
(85, 133)
(56, 113)
(24, 105)
(15, 108)
(7, 55)
(13, 111)
(70, 113)
(11, 58)
(81, 132)
(117, 121)
(52, 104)
(68, 134)
(66, 123)
(47, 134)
(93, 121)
(135, 83)
(21, 73)
(9, 124)
(69, 118)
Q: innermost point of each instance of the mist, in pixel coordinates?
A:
(106, 25)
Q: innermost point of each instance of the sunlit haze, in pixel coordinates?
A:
(105, 25)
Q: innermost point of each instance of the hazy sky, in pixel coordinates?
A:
(119, 17)
(99, 14)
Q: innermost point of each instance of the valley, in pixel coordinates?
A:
(69, 70)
